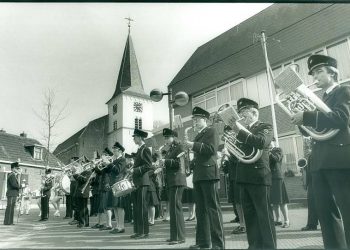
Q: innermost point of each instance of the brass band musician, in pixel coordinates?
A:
(47, 184)
(176, 181)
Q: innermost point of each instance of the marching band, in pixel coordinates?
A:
(117, 179)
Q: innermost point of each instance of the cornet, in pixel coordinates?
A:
(229, 115)
(302, 163)
(300, 98)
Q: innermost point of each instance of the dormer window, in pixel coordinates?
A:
(38, 153)
(115, 109)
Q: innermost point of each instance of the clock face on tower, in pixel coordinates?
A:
(138, 107)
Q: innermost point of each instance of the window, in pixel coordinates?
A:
(304, 70)
(210, 101)
(115, 108)
(138, 123)
(223, 95)
(115, 125)
(236, 91)
(340, 51)
(38, 153)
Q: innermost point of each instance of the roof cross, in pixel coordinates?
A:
(129, 20)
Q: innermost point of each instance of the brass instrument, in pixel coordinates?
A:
(229, 116)
(299, 97)
(45, 180)
(185, 157)
(302, 163)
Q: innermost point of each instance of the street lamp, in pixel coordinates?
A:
(180, 98)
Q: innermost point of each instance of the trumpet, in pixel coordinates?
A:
(98, 162)
(229, 115)
(300, 97)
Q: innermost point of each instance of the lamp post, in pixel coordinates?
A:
(180, 98)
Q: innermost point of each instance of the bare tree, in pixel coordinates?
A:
(50, 115)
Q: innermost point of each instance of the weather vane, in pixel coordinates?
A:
(129, 20)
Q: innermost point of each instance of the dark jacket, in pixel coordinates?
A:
(276, 156)
(142, 164)
(175, 174)
(12, 185)
(204, 162)
(229, 166)
(103, 179)
(47, 186)
(258, 172)
(117, 170)
(81, 179)
(332, 153)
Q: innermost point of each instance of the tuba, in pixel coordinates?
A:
(229, 115)
(298, 97)
(302, 163)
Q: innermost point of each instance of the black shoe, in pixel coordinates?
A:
(43, 220)
(134, 236)
(96, 226)
(73, 222)
(238, 230)
(198, 247)
(150, 224)
(174, 242)
(120, 231)
(309, 228)
(278, 223)
(105, 228)
(114, 231)
(142, 236)
(80, 225)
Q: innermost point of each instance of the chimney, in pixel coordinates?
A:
(23, 135)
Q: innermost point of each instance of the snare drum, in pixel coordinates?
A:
(65, 184)
(122, 188)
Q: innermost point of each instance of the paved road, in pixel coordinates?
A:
(56, 233)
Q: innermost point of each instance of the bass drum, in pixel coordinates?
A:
(189, 181)
(65, 184)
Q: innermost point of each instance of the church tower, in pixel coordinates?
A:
(129, 107)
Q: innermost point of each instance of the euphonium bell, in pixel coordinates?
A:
(229, 115)
(299, 97)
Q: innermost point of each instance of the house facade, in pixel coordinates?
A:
(32, 156)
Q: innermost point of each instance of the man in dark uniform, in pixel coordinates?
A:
(140, 177)
(255, 178)
(330, 166)
(82, 195)
(209, 231)
(12, 193)
(73, 210)
(45, 194)
(176, 182)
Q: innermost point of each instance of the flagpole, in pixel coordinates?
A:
(269, 81)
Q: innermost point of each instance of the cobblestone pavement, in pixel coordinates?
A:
(56, 233)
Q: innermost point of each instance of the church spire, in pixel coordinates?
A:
(129, 77)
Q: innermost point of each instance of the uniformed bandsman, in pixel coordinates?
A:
(45, 194)
(209, 230)
(140, 176)
(12, 193)
(176, 182)
(255, 178)
(82, 195)
(330, 167)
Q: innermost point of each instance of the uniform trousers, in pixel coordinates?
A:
(69, 209)
(312, 218)
(83, 211)
(140, 209)
(257, 210)
(10, 210)
(177, 222)
(209, 231)
(45, 207)
(331, 190)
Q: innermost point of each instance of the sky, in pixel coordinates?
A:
(75, 50)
